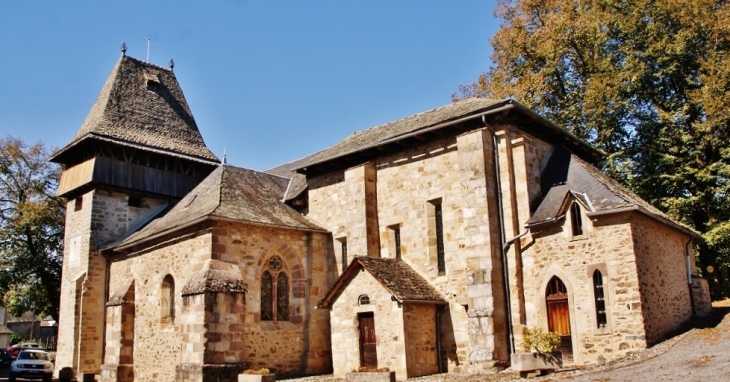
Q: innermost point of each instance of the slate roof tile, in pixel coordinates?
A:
(127, 113)
(396, 276)
(233, 194)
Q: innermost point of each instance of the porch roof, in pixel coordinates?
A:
(396, 276)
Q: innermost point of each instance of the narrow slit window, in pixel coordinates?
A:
(167, 300)
(134, 201)
(79, 203)
(600, 302)
(575, 219)
(343, 249)
(396, 237)
(440, 240)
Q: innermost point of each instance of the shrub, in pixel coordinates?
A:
(535, 340)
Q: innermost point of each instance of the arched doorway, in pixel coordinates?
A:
(558, 313)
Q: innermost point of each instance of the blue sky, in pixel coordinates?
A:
(268, 81)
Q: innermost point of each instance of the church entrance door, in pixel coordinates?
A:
(368, 352)
(558, 312)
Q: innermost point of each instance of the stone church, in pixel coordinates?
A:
(425, 245)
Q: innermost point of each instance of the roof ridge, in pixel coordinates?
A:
(148, 63)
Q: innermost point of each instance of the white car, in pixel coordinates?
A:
(32, 364)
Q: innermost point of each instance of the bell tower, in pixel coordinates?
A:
(138, 151)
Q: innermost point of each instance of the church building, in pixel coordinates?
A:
(425, 245)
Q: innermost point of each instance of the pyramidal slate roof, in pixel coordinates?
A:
(156, 119)
(396, 276)
(567, 174)
(228, 193)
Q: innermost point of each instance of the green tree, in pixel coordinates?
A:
(31, 229)
(645, 81)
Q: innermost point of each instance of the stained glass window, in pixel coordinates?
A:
(274, 291)
(267, 297)
(282, 297)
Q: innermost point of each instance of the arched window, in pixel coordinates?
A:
(167, 300)
(282, 297)
(576, 221)
(274, 292)
(600, 301)
(363, 300)
(267, 297)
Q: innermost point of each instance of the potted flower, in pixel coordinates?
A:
(261, 375)
(540, 353)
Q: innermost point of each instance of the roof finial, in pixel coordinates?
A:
(124, 49)
(172, 64)
(224, 156)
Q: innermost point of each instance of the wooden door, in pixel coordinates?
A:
(558, 311)
(368, 352)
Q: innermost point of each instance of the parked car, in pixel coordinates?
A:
(15, 349)
(5, 357)
(31, 364)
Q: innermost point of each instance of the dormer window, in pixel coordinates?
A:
(151, 81)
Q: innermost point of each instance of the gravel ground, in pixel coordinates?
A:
(701, 352)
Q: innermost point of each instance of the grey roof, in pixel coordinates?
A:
(451, 119)
(396, 276)
(567, 174)
(298, 181)
(377, 135)
(127, 113)
(228, 193)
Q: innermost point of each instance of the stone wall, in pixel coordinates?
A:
(607, 246)
(662, 267)
(158, 345)
(301, 345)
(421, 339)
(100, 217)
(215, 329)
(457, 174)
(388, 315)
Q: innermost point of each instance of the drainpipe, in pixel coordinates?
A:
(689, 275)
(439, 312)
(505, 270)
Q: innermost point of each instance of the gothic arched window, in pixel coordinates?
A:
(600, 300)
(274, 292)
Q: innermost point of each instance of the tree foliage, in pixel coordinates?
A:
(645, 81)
(31, 229)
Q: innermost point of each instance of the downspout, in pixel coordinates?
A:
(505, 271)
(689, 275)
(439, 312)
